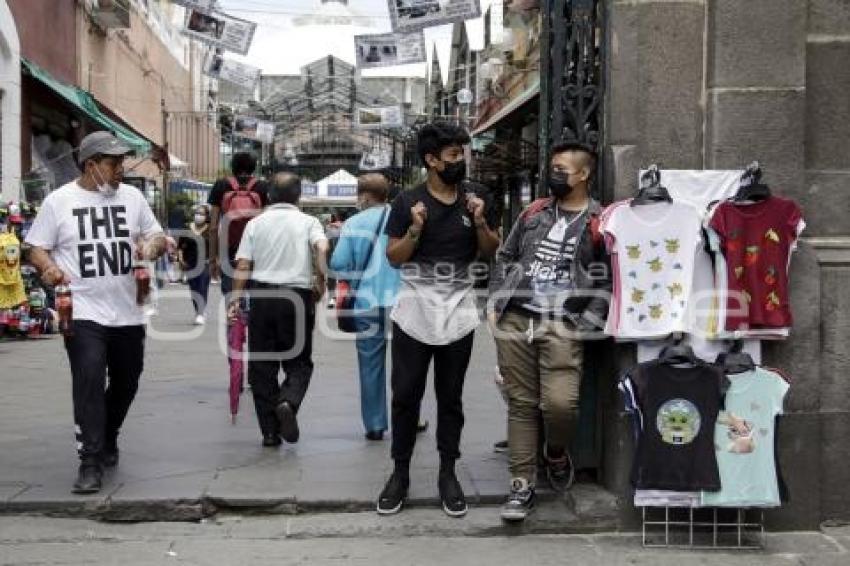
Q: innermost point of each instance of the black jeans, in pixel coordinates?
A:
(280, 336)
(411, 360)
(95, 352)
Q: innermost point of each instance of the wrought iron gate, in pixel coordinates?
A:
(572, 81)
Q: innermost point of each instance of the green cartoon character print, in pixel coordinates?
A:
(655, 265)
(678, 422)
(672, 245)
(633, 251)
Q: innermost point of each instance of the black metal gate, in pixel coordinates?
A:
(572, 78)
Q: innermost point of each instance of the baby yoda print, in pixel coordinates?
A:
(678, 422)
(638, 295)
(656, 311)
(672, 245)
(675, 290)
(633, 251)
(655, 265)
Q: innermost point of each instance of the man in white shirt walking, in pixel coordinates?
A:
(284, 252)
(87, 234)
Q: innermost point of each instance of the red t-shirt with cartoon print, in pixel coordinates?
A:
(757, 240)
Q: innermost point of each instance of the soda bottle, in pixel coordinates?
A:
(143, 281)
(65, 307)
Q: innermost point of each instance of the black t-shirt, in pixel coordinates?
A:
(222, 187)
(449, 234)
(680, 407)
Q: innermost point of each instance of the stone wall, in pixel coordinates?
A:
(716, 84)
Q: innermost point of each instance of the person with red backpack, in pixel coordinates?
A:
(549, 290)
(234, 201)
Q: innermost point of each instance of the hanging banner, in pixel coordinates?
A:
(220, 30)
(375, 160)
(389, 49)
(203, 5)
(254, 129)
(217, 67)
(379, 117)
(414, 15)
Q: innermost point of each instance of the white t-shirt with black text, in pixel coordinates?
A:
(92, 237)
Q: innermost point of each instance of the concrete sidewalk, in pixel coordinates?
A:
(181, 459)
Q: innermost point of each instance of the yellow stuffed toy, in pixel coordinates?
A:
(12, 291)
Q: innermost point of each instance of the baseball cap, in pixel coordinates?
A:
(102, 143)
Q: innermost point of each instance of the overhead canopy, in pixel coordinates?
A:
(86, 104)
(508, 108)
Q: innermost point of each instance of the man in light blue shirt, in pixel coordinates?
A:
(363, 236)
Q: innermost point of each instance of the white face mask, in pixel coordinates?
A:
(105, 189)
(200, 219)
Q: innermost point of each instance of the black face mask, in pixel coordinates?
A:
(453, 173)
(559, 185)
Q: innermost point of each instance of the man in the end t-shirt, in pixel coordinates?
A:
(436, 232)
(87, 235)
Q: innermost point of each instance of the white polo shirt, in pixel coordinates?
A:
(280, 243)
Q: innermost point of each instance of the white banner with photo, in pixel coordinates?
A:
(414, 15)
(218, 67)
(381, 117)
(389, 49)
(220, 30)
(254, 129)
(203, 5)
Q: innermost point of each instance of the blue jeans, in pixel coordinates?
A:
(200, 287)
(372, 360)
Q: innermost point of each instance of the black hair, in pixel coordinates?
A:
(567, 145)
(243, 164)
(436, 136)
(285, 188)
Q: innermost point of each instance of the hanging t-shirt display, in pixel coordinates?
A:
(678, 408)
(744, 441)
(653, 247)
(756, 241)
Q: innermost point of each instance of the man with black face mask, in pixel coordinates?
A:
(549, 291)
(436, 231)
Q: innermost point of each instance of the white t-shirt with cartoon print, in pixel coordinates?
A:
(92, 237)
(654, 247)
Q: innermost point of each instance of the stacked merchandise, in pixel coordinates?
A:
(24, 308)
(705, 425)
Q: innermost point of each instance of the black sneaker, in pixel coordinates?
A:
(288, 423)
(520, 502)
(451, 494)
(271, 440)
(392, 497)
(500, 447)
(89, 479)
(560, 472)
(375, 435)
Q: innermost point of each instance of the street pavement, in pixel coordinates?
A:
(182, 459)
(418, 537)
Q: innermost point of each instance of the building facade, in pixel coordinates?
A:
(10, 105)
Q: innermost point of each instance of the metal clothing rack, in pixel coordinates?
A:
(703, 528)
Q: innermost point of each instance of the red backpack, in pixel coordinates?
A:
(240, 204)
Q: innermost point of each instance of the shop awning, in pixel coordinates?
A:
(527, 95)
(86, 104)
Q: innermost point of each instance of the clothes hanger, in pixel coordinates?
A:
(735, 360)
(677, 352)
(651, 191)
(751, 188)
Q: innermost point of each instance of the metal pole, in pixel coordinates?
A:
(545, 99)
(165, 180)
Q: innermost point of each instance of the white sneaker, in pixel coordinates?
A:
(151, 311)
(200, 320)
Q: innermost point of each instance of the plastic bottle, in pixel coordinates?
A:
(143, 281)
(65, 307)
